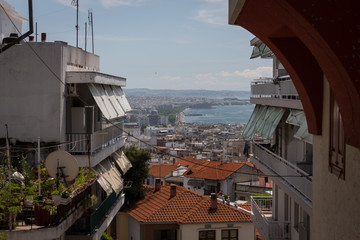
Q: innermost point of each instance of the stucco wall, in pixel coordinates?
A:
(191, 231)
(134, 229)
(32, 99)
(335, 201)
(30, 95)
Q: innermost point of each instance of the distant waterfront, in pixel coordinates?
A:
(221, 114)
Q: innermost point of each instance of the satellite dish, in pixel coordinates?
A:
(62, 164)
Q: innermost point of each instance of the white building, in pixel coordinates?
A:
(281, 149)
(60, 96)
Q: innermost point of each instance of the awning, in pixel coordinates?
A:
(196, 182)
(109, 175)
(120, 96)
(110, 99)
(256, 119)
(263, 121)
(298, 118)
(122, 161)
(272, 118)
(261, 51)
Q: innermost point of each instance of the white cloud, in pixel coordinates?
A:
(214, 12)
(212, 16)
(255, 73)
(171, 78)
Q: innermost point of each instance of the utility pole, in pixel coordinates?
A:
(8, 152)
(91, 23)
(76, 3)
(9, 169)
(85, 35)
(38, 162)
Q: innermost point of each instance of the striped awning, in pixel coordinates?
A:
(110, 99)
(109, 177)
(122, 161)
(297, 118)
(263, 121)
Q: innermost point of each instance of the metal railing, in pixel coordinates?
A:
(283, 168)
(97, 140)
(90, 221)
(269, 229)
(268, 88)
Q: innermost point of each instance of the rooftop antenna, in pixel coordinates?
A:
(91, 24)
(76, 3)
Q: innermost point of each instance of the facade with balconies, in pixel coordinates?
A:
(55, 94)
(281, 147)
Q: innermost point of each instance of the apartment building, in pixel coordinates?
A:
(281, 149)
(55, 94)
(317, 43)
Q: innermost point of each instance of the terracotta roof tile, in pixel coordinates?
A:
(186, 207)
(161, 170)
(215, 170)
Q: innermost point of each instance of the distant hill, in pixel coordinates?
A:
(188, 93)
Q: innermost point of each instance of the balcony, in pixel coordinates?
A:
(261, 216)
(97, 145)
(291, 179)
(98, 220)
(280, 93)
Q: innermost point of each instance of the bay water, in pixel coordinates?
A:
(221, 114)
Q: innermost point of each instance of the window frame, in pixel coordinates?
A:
(207, 232)
(229, 234)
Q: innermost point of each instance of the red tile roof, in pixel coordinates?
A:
(186, 207)
(213, 170)
(161, 170)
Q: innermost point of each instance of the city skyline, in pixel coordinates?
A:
(157, 44)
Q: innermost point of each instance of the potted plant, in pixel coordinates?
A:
(56, 197)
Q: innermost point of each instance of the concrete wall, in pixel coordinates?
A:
(30, 95)
(134, 229)
(336, 214)
(191, 231)
(32, 100)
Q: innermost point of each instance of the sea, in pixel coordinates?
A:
(221, 114)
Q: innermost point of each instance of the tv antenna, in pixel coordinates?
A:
(91, 25)
(76, 4)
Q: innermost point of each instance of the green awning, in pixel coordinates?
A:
(254, 122)
(298, 118)
(263, 121)
(261, 51)
(272, 118)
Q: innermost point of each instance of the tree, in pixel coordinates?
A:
(137, 174)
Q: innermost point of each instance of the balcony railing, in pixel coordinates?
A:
(99, 140)
(291, 174)
(269, 229)
(87, 224)
(268, 88)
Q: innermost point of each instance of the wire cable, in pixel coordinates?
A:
(113, 124)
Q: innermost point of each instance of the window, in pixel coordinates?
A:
(337, 141)
(229, 234)
(296, 216)
(207, 235)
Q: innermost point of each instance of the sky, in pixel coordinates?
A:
(157, 44)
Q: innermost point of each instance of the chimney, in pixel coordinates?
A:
(172, 190)
(213, 201)
(157, 184)
(31, 38)
(43, 37)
